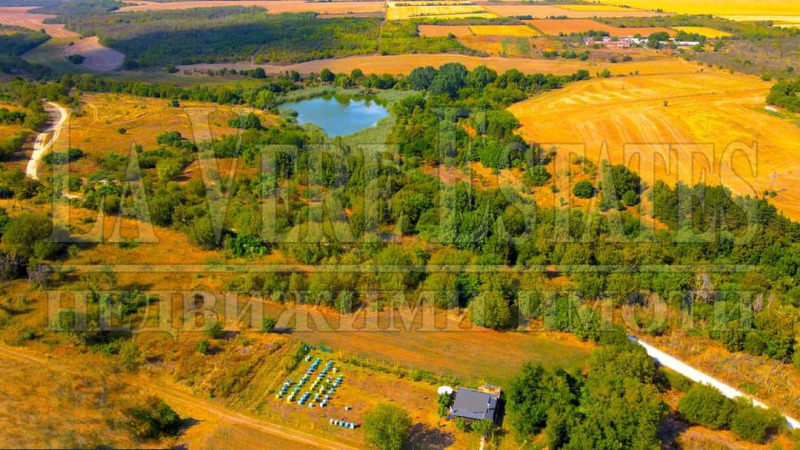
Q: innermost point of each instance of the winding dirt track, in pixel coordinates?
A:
(46, 139)
(200, 409)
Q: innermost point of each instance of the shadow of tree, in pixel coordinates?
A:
(427, 437)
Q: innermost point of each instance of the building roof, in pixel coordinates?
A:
(476, 405)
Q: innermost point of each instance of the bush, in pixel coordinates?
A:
(203, 347)
(491, 310)
(153, 420)
(215, 331)
(536, 176)
(583, 189)
(705, 405)
(268, 324)
(445, 401)
(754, 424)
(386, 427)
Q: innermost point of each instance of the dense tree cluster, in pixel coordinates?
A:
(616, 405)
(786, 94)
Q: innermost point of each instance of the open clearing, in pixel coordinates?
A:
(277, 7)
(403, 64)
(545, 11)
(444, 30)
(20, 17)
(435, 9)
(554, 27)
(712, 112)
(716, 7)
(97, 57)
(503, 30)
(704, 31)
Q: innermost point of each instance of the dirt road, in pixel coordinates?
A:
(46, 139)
(261, 434)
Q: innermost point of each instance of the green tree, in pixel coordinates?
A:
(755, 424)
(705, 405)
(491, 310)
(386, 427)
(583, 189)
(22, 235)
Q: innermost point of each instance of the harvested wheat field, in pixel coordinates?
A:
(545, 11)
(594, 8)
(435, 9)
(704, 31)
(444, 30)
(403, 64)
(681, 115)
(277, 7)
(716, 7)
(20, 17)
(98, 57)
(503, 30)
(555, 27)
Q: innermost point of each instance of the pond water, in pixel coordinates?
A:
(339, 115)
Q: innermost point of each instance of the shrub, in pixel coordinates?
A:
(445, 401)
(754, 424)
(268, 324)
(491, 310)
(215, 331)
(203, 347)
(386, 427)
(583, 189)
(705, 405)
(152, 420)
(536, 176)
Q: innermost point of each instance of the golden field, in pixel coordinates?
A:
(545, 11)
(435, 9)
(716, 7)
(704, 31)
(555, 27)
(404, 64)
(275, 7)
(444, 30)
(20, 17)
(503, 30)
(594, 8)
(707, 125)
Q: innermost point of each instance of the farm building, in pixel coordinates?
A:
(475, 405)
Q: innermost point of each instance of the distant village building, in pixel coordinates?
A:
(630, 41)
(474, 404)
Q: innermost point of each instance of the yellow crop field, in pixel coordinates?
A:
(439, 10)
(503, 30)
(777, 19)
(593, 8)
(698, 120)
(704, 31)
(716, 7)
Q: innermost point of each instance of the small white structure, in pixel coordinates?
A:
(444, 390)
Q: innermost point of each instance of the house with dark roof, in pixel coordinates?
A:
(474, 405)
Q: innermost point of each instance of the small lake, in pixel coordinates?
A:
(339, 115)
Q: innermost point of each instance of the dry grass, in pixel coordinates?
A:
(276, 7)
(97, 57)
(444, 30)
(503, 30)
(97, 131)
(20, 17)
(716, 7)
(435, 9)
(555, 27)
(704, 31)
(706, 112)
(545, 11)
